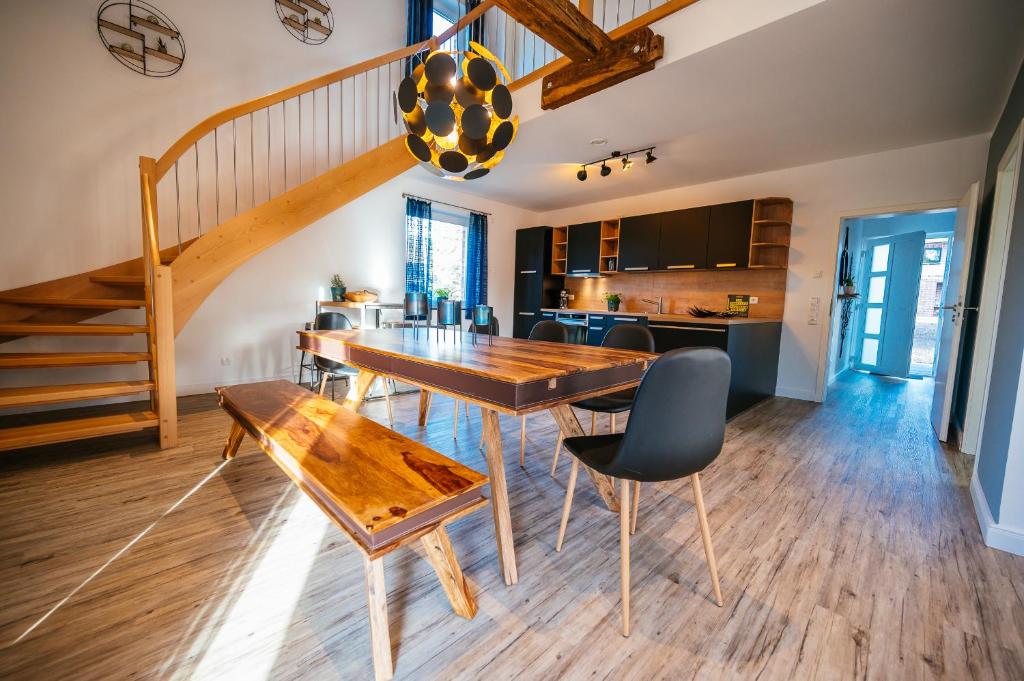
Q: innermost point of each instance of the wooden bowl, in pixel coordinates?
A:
(363, 296)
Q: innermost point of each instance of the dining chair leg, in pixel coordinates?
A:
(568, 502)
(593, 423)
(558, 450)
(636, 506)
(387, 401)
(522, 441)
(705, 533)
(455, 422)
(624, 557)
(323, 385)
(465, 404)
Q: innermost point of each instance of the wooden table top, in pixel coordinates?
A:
(510, 360)
(377, 484)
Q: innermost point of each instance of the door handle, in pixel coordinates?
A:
(578, 271)
(682, 267)
(527, 271)
(527, 314)
(634, 269)
(725, 264)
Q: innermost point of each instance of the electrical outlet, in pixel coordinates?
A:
(753, 300)
(225, 361)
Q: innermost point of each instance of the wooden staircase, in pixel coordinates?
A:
(166, 286)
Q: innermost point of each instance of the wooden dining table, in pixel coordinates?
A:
(500, 375)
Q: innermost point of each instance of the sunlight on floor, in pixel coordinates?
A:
(250, 634)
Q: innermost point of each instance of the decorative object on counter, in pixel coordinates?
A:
(141, 22)
(483, 316)
(704, 312)
(627, 163)
(337, 288)
(458, 112)
(563, 299)
(361, 296)
(417, 309)
(449, 313)
(849, 285)
(613, 300)
(309, 21)
(739, 304)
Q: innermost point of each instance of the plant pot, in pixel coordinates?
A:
(849, 290)
(613, 307)
(337, 293)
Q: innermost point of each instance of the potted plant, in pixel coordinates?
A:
(849, 286)
(441, 295)
(337, 288)
(613, 300)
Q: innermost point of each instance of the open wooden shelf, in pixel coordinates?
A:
(294, 24)
(609, 254)
(559, 249)
(123, 30)
(126, 54)
(318, 6)
(163, 55)
(770, 233)
(771, 244)
(146, 23)
(317, 27)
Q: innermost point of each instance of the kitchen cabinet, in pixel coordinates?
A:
(639, 238)
(729, 226)
(683, 241)
(753, 349)
(533, 250)
(598, 325)
(584, 248)
(535, 286)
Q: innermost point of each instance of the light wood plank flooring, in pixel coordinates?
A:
(846, 541)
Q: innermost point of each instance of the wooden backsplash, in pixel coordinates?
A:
(681, 290)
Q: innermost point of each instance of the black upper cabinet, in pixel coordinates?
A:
(729, 235)
(584, 248)
(684, 239)
(533, 250)
(638, 243)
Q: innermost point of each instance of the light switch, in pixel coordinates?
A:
(753, 300)
(813, 310)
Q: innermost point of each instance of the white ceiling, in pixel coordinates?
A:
(842, 78)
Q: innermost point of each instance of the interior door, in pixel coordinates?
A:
(952, 315)
(892, 280)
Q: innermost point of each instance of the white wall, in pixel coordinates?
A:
(822, 193)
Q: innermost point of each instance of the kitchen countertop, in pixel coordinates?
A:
(672, 317)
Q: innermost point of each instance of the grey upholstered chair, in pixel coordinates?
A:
(676, 428)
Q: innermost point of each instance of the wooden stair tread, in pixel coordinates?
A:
(54, 329)
(27, 360)
(75, 429)
(118, 279)
(49, 394)
(98, 303)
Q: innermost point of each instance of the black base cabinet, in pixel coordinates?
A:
(753, 349)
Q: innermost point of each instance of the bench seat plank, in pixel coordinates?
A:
(378, 485)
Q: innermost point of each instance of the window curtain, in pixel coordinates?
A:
(418, 267)
(476, 263)
(419, 26)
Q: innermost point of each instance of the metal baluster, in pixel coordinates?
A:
(177, 204)
(234, 162)
(341, 108)
(328, 126)
(284, 132)
(216, 170)
(199, 213)
(300, 139)
(268, 153)
(252, 162)
(314, 134)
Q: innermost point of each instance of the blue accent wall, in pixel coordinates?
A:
(1009, 345)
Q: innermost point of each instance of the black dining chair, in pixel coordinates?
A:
(330, 369)
(676, 428)
(622, 337)
(550, 331)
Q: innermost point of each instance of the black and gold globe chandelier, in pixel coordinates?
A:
(458, 111)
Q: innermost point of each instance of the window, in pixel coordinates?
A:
(448, 252)
(441, 23)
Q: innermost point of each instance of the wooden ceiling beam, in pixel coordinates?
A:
(560, 24)
(629, 56)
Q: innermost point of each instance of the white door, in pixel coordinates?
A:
(952, 311)
(892, 280)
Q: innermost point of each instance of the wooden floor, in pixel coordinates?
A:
(846, 541)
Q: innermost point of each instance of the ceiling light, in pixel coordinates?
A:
(651, 158)
(626, 158)
(581, 175)
(598, 141)
(605, 170)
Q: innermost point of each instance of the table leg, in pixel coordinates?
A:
(356, 395)
(234, 441)
(499, 494)
(380, 638)
(425, 398)
(441, 556)
(570, 427)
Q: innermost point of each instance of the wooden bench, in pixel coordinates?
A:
(380, 488)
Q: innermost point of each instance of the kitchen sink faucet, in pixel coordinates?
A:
(657, 302)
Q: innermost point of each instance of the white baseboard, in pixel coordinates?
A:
(995, 536)
(201, 388)
(796, 393)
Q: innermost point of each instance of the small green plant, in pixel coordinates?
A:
(445, 293)
(337, 281)
(613, 298)
(849, 281)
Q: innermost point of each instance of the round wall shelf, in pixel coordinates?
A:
(141, 37)
(310, 21)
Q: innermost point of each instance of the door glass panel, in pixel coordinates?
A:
(880, 258)
(873, 321)
(876, 290)
(869, 353)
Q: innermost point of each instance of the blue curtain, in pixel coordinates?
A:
(419, 271)
(476, 263)
(419, 26)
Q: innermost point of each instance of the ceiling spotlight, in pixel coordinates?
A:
(581, 175)
(624, 157)
(605, 170)
(651, 158)
(626, 164)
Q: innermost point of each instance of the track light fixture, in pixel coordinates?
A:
(627, 162)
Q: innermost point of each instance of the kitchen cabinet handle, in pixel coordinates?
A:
(634, 269)
(681, 267)
(686, 328)
(725, 264)
(527, 314)
(595, 328)
(577, 271)
(527, 271)
(625, 319)
(594, 316)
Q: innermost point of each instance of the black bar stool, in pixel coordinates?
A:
(677, 428)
